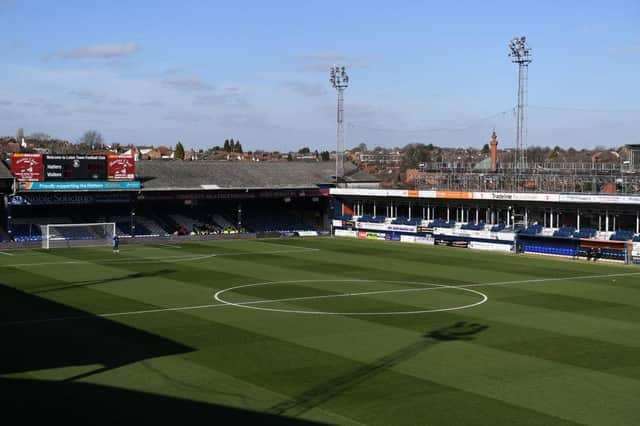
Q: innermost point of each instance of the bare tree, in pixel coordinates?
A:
(92, 138)
(39, 136)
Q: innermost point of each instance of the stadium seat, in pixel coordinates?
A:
(622, 236)
(565, 232)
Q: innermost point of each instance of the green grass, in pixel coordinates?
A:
(85, 330)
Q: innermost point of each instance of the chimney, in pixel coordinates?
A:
(494, 152)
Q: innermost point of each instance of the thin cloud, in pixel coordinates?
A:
(186, 116)
(243, 120)
(187, 84)
(99, 111)
(88, 95)
(228, 97)
(44, 106)
(305, 89)
(120, 102)
(151, 104)
(98, 51)
(5, 103)
(320, 62)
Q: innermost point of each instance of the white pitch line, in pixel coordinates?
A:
(186, 308)
(181, 258)
(213, 305)
(6, 254)
(542, 280)
(483, 296)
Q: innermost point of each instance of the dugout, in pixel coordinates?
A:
(591, 249)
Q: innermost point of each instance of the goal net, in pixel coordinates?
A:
(77, 234)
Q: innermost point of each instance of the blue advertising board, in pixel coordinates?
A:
(79, 186)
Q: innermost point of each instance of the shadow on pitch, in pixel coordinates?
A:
(324, 392)
(77, 284)
(31, 340)
(76, 403)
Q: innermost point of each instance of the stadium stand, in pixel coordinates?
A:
(23, 232)
(442, 223)
(474, 226)
(586, 233)
(372, 219)
(565, 231)
(622, 236)
(498, 228)
(532, 230)
(406, 221)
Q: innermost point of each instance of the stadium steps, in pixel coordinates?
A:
(166, 223)
(186, 221)
(222, 222)
(151, 225)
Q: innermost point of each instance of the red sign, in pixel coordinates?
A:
(121, 167)
(27, 167)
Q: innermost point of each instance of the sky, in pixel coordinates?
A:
(199, 72)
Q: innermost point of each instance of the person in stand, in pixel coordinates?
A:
(116, 244)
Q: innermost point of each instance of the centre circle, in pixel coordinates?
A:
(427, 287)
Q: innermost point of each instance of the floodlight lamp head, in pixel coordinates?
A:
(339, 78)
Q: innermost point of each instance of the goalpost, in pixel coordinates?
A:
(77, 234)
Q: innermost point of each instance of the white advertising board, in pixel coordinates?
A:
(345, 233)
(385, 227)
(489, 246)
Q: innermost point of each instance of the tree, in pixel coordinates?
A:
(415, 154)
(92, 138)
(178, 153)
(325, 156)
(232, 145)
(486, 149)
(226, 145)
(362, 147)
(289, 157)
(304, 150)
(39, 136)
(237, 147)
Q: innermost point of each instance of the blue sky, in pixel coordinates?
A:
(434, 72)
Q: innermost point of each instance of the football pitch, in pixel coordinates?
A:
(322, 330)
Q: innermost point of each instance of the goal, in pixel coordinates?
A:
(77, 234)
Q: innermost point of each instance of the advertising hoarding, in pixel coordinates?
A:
(27, 167)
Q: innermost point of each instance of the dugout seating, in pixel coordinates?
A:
(545, 249)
